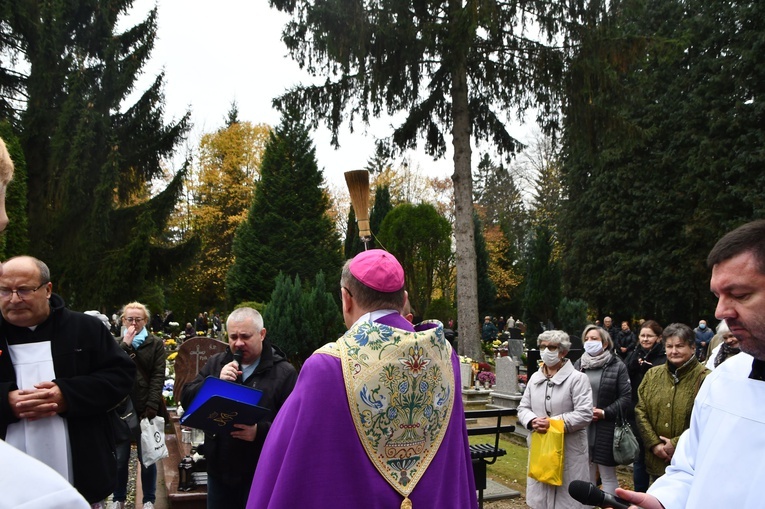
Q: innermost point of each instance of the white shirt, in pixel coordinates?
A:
(718, 461)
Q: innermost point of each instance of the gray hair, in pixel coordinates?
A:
(556, 337)
(722, 327)
(605, 337)
(368, 298)
(104, 319)
(243, 313)
(41, 267)
(681, 332)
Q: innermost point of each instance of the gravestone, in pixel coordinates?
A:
(192, 356)
(506, 393)
(466, 374)
(515, 349)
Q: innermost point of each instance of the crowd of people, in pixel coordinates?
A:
(375, 418)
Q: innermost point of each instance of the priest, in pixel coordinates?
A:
(376, 417)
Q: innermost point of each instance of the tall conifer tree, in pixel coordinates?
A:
(288, 228)
(90, 159)
(451, 66)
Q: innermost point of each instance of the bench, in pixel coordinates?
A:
(487, 454)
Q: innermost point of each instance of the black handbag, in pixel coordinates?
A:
(124, 421)
(626, 448)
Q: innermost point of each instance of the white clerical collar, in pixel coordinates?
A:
(373, 315)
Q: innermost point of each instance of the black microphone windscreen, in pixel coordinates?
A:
(238, 357)
(585, 493)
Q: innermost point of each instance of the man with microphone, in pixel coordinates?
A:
(251, 359)
(716, 461)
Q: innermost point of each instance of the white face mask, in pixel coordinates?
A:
(550, 358)
(593, 347)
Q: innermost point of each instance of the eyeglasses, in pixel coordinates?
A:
(21, 293)
(131, 319)
(552, 348)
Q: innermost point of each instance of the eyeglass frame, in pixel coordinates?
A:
(134, 319)
(17, 290)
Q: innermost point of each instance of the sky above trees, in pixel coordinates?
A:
(231, 50)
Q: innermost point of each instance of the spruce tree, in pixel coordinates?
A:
(380, 209)
(282, 316)
(299, 320)
(288, 228)
(353, 244)
(90, 158)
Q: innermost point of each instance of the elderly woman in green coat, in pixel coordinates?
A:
(665, 398)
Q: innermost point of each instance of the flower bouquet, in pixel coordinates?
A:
(487, 378)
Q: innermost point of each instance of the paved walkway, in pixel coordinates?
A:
(161, 501)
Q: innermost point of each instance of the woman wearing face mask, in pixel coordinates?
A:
(148, 352)
(649, 353)
(611, 392)
(665, 398)
(557, 391)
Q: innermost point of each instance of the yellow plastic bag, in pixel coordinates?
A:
(546, 454)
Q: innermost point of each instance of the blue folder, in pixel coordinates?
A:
(220, 404)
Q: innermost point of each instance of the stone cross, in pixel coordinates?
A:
(197, 353)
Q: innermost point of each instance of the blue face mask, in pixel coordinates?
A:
(702, 326)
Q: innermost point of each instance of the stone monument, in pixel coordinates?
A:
(466, 375)
(506, 393)
(192, 356)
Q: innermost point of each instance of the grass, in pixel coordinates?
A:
(512, 468)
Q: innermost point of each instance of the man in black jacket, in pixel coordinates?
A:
(232, 458)
(60, 374)
(625, 341)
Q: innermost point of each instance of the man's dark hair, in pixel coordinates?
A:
(367, 297)
(745, 238)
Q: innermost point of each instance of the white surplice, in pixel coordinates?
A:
(45, 439)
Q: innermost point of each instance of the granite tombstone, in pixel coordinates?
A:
(192, 356)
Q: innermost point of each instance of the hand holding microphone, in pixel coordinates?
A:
(233, 370)
(238, 360)
(588, 494)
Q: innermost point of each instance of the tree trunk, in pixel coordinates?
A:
(467, 279)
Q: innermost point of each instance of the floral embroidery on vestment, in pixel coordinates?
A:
(400, 388)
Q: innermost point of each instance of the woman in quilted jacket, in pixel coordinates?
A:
(665, 398)
(610, 395)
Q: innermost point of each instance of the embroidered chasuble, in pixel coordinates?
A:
(400, 388)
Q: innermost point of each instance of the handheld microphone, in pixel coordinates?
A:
(588, 494)
(238, 359)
